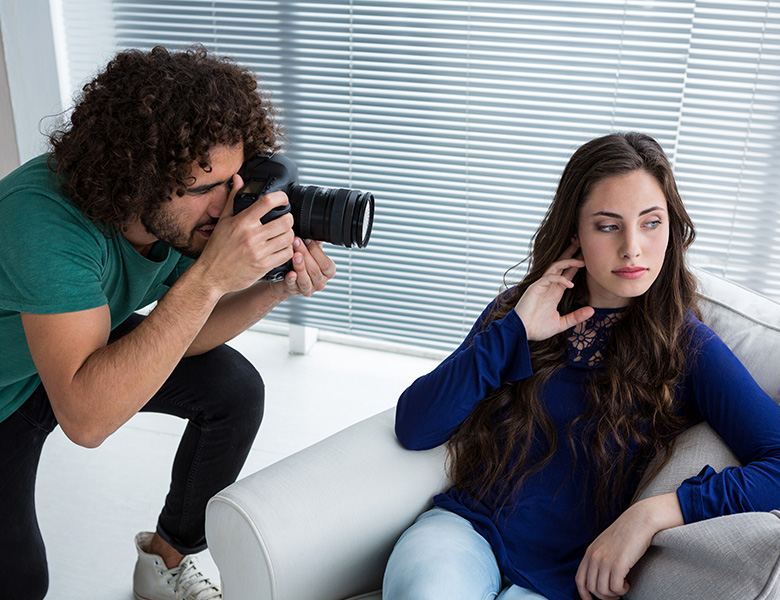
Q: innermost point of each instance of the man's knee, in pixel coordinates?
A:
(246, 389)
(34, 585)
(27, 578)
(232, 385)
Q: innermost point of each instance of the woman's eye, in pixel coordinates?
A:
(653, 224)
(606, 227)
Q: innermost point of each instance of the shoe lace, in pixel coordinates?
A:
(191, 584)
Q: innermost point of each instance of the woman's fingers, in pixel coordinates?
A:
(578, 316)
(569, 253)
(603, 584)
(558, 279)
(561, 266)
(572, 271)
(538, 307)
(596, 581)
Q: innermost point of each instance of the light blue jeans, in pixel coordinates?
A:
(442, 557)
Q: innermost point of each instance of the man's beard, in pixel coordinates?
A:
(161, 224)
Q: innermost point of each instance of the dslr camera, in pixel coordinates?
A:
(338, 216)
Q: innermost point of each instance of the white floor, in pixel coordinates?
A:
(92, 502)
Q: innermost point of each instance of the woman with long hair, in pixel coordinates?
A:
(569, 383)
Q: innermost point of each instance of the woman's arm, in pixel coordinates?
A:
(611, 556)
(722, 390)
(432, 407)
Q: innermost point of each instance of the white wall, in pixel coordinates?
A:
(9, 153)
(31, 63)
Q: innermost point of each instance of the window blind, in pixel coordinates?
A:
(728, 150)
(460, 116)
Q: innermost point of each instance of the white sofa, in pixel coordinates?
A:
(320, 524)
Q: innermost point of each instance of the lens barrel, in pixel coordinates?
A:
(338, 216)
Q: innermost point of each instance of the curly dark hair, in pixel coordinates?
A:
(139, 125)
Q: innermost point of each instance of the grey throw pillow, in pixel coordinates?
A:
(736, 557)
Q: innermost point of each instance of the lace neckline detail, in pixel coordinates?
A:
(588, 340)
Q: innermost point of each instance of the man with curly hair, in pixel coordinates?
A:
(133, 205)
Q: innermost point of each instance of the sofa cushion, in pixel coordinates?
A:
(747, 322)
(693, 449)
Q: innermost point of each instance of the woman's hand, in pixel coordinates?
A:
(538, 307)
(603, 571)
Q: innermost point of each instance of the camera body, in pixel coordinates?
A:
(339, 216)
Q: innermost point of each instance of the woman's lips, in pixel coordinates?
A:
(630, 272)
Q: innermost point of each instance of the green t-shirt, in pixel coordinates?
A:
(54, 260)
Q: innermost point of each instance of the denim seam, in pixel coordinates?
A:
(33, 423)
(186, 495)
(191, 478)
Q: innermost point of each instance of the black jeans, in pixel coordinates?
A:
(220, 394)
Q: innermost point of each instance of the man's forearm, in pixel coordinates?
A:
(235, 313)
(238, 311)
(116, 380)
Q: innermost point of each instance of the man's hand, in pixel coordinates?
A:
(312, 269)
(603, 571)
(250, 300)
(241, 249)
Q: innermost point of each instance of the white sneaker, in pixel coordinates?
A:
(153, 580)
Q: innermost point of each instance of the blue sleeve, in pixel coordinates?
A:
(722, 391)
(430, 409)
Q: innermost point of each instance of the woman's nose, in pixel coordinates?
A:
(630, 248)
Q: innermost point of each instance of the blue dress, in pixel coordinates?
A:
(541, 537)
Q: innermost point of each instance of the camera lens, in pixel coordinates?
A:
(338, 216)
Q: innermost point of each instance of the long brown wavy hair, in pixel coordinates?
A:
(140, 124)
(631, 415)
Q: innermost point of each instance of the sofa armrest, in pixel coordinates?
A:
(320, 524)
